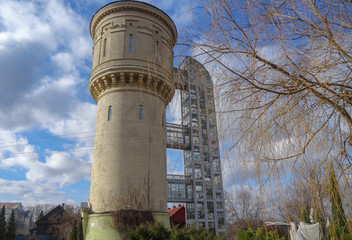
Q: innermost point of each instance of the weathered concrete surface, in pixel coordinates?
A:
(131, 76)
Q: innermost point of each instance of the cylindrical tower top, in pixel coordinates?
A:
(133, 48)
(142, 6)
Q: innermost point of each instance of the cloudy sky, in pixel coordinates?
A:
(47, 116)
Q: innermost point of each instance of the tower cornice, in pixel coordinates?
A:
(131, 77)
(132, 5)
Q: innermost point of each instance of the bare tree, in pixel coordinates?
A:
(284, 73)
(243, 206)
(292, 59)
(243, 210)
(306, 189)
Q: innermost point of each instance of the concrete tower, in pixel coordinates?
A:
(131, 81)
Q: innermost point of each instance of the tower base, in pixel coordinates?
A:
(103, 226)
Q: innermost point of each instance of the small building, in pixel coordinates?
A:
(21, 216)
(45, 223)
(177, 215)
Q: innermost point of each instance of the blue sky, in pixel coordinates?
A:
(47, 116)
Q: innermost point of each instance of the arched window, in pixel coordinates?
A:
(140, 114)
(109, 113)
(157, 50)
(104, 50)
(130, 44)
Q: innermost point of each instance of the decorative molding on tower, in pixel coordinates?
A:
(131, 79)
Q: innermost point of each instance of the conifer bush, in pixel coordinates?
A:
(11, 227)
(159, 232)
(2, 224)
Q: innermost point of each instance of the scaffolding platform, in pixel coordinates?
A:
(177, 136)
(179, 189)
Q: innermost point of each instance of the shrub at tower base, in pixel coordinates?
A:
(159, 232)
(258, 234)
(117, 224)
(144, 225)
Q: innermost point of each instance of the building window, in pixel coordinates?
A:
(109, 113)
(130, 44)
(162, 119)
(104, 50)
(157, 50)
(140, 115)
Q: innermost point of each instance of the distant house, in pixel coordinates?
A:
(44, 224)
(22, 217)
(177, 215)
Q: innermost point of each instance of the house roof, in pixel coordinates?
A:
(174, 210)
(11, 205)
(55, 212)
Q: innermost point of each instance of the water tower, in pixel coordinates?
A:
(131, 82)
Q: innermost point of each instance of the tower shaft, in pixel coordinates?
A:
(129, 153)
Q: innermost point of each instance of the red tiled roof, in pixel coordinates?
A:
(10, 205)
(174, 210)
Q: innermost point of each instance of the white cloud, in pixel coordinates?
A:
(43, 179)
(183, 14)
(173, 111)
(44, 46)
(60, 169)
(65, 61)
(29, 193)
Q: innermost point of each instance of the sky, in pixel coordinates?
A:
(47, 115)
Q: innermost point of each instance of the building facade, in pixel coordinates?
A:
(21, 216)
(200, 188)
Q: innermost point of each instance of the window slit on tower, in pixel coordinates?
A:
(104, 51)
(109, 113)
(140, 115)
(130, 44)
(157, 50)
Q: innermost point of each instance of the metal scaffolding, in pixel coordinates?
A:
(177, 136)
(179, 189)
(200, 188)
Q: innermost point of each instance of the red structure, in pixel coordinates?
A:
(177, 215)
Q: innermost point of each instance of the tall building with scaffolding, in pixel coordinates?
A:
(200, 187)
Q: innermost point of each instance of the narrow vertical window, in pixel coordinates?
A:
(157, 50)
(109, 113)
(162, 119)
(130, 42)
(104, 50)
(140, 115)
